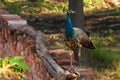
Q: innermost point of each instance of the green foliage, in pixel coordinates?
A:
(92, 2)
(105, 53)
(92, 5)
(12, 67)
(110, 38)
(105, 57)
(14, 7)
(32, 10)
(39, 3)
(62, 8)
(51, 6)
(35, 8)
(20, 65)
(1, 1)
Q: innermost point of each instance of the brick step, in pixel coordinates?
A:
(66, 62)
(3, 11)
(13, 19)
(58, 51)
(62, 56)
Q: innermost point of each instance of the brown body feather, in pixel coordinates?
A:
(74, 43)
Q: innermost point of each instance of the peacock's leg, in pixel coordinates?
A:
(71, 65)
(79, 56)
(71, 60)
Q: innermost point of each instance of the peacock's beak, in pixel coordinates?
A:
(71, 11)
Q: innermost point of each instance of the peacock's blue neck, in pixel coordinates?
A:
(69, 31)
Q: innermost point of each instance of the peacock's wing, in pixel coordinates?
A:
(83, 38)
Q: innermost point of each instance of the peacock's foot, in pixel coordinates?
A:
(77, 73)
(78, 69)
(71, 68)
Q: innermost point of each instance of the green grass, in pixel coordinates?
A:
(107, 50)
(105, 56)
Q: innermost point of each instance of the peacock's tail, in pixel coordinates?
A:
(87, 44)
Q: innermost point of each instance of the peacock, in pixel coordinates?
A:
(75, 38)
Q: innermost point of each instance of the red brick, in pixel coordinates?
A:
(10, 16)
(18, 22)
(13, 19)
(3, 11)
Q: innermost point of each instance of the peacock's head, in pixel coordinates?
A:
(70, 12)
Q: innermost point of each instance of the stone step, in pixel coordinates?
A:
(66, 62)
(13, 19)
(100, 15)
(3, 11)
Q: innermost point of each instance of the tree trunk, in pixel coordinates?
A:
(78, 17)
